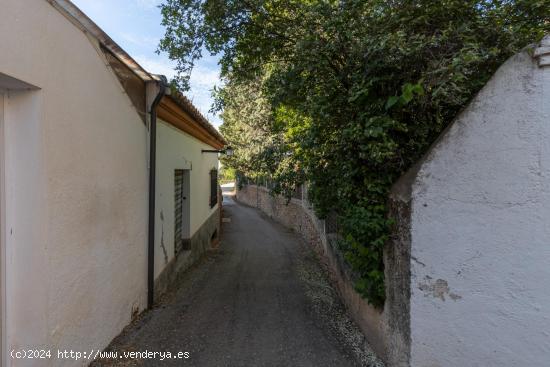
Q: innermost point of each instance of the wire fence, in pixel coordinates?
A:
(330, 223)
(297, 192)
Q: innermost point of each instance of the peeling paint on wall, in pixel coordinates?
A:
(437, 289)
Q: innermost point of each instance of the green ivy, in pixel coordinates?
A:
(346, 94)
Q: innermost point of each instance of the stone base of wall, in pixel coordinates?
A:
(200, 242)
(296, 215)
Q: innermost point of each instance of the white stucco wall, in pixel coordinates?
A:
(178, 150)
(480, 239)
(76, 173)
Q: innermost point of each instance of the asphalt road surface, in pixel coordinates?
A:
(262, 299)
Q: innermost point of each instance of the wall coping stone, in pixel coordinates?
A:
(542, 52)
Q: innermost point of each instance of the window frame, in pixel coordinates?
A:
(213, 187)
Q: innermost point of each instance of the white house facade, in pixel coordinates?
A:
(76, 118)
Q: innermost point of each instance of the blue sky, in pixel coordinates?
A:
(135, 26)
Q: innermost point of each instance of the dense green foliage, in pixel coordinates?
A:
(227, 174)
(347, 94)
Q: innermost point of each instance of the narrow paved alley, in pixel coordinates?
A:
(261, 300)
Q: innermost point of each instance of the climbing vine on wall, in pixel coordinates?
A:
(346, 94)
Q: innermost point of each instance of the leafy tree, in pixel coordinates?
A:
(346, 94)
(247, 118)
(227, 174)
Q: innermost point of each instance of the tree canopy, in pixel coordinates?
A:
(346, 94)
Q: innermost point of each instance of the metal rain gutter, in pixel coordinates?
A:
(163, 90)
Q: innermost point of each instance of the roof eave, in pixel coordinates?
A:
(81, 20)
(85, 24)
(185, 104)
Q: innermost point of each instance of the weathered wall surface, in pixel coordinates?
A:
(200, 242)
(76, 171)
(76, 157)
(296, 214)
(479, 233)
(397, 282)
(178, 150)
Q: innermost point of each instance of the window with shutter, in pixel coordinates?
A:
(213, 188)
(178, 215)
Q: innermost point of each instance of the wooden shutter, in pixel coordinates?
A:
(178, 215)
(213, 188)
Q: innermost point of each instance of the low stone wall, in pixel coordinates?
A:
(297, 215)
(202, 240)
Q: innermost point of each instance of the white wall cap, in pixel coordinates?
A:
(542, 52)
